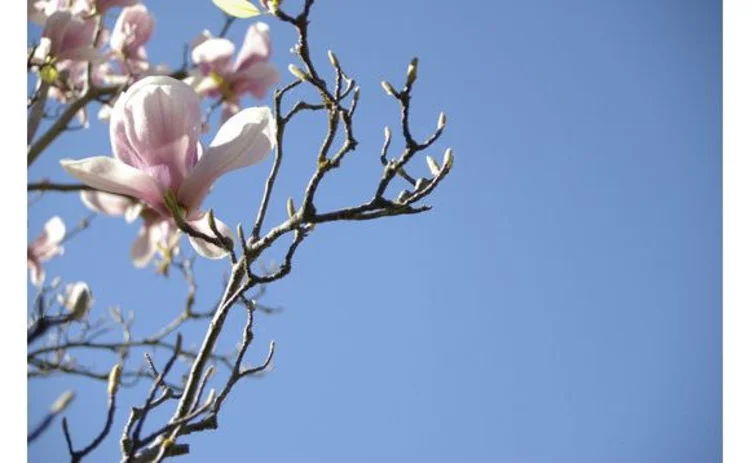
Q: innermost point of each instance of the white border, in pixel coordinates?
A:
(736, 237)
(13, 189)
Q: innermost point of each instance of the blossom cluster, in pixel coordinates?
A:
(160, 171)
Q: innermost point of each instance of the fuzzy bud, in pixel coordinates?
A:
(297, 72)
(441, 121)
(211, 396)
(411, 71)
(62, 402)
(448, 159)
(433, 165)
(114, 380)
(403, 196)
(77, 300)
(332, 58)
(290, 207)
(388, 88)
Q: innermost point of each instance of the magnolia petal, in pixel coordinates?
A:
(54, 230)
(113, 176)
(133, 211)
(245, 139)
(214, 55)
(36, 273)
(256, 80)
(106, 203)
(143, 248)
(255, 48)
(205, 248)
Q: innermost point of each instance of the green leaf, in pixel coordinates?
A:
(237, 8)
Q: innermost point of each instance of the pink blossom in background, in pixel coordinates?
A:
(155, 128)
(157, 233)
(44, 248)
(66, 37)
(134, 27)
(251, 73)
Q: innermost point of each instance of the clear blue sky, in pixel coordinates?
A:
(561, 303)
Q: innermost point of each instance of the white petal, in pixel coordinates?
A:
(245, 139)
(204, 248)
(106, 203)
(111, 175)
(143, 248)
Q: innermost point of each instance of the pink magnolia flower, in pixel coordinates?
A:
(157, 234)
(251, 73)
(44, 248)
(133, 29)
(65, 38)
(155, 128)
(40, 10)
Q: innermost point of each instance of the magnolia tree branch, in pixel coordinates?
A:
(194, 409)
(301, 222)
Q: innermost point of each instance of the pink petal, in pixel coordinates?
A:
(214, 55)
(204, 248)
(133, 29)
(113, 176)
(245, 139)
(143, 248)
(157, 123)
(256, 80)
(256, 47)
(106, 203)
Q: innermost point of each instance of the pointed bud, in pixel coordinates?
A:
(62, 402)
(387, 132)
(332, 58)
(448, 159)
(441, 121)
(433, 165)
(421, 184)
(114, 380)
(290, 207)
(403, 196)
(211, 396)
(388, 88)
(77, 300)
(297, 72)
(411, 71)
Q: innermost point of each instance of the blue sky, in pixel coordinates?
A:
(562, 301)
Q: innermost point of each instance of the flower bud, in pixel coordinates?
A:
(114, 379)
(332, 58)
(211, 396)
(388, 88)
(290, 207)
(77, 300)
(62, 402)
(448, 159)
(403, 196)
(441, 121)
(433, 165)
(297, 72)
(411, 71)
